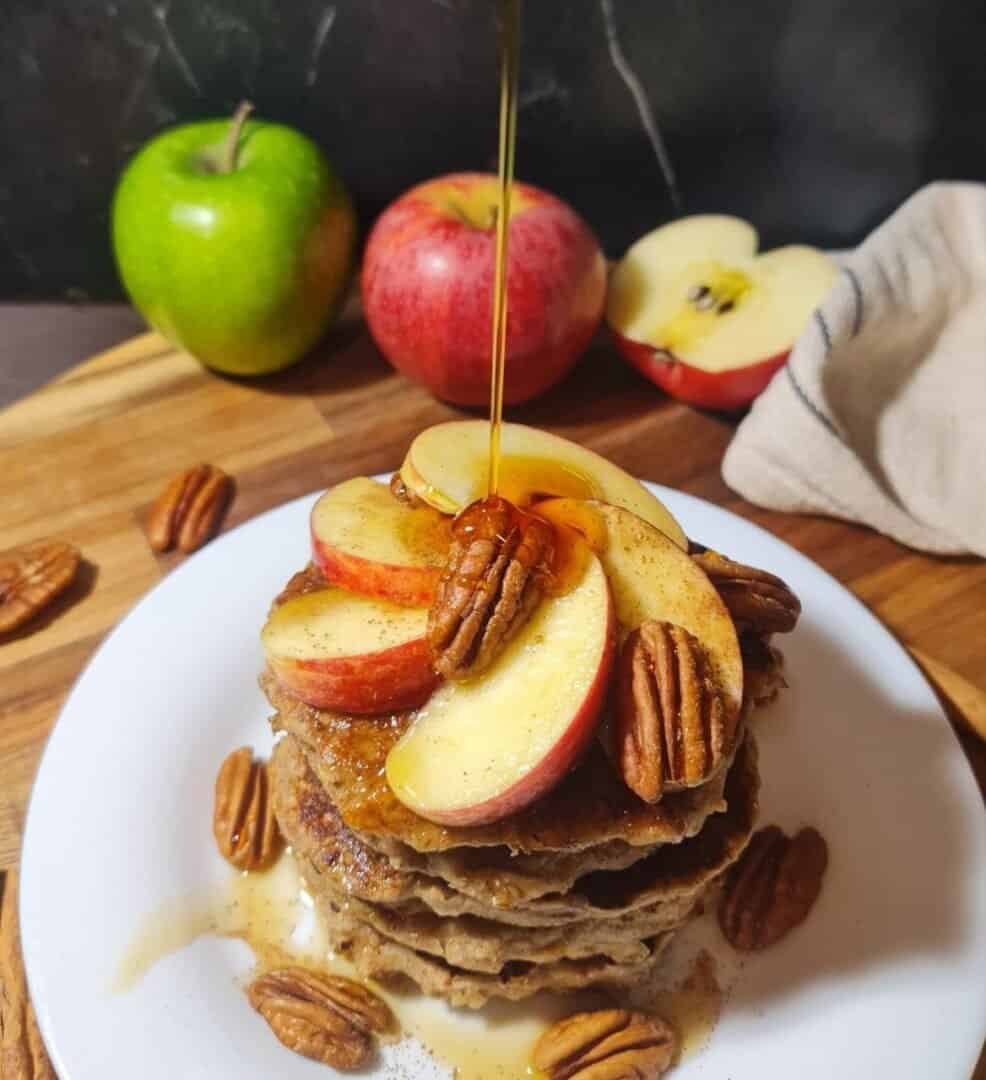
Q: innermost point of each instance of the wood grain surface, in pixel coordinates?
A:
(84, 457)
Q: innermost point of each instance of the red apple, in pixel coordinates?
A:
(484, 748)
(336, 650)
(367, 542)
(427, 286)
(696, 310)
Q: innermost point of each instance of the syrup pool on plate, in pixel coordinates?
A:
(272, 913)
(269, 911)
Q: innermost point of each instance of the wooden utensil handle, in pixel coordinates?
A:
(22, 1053)
(966, 702)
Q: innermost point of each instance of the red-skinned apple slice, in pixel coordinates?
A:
(367, 542)
(485, 748)
(696, 310)
(336, 650)
(652, 578)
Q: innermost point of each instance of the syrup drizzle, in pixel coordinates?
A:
(509, 40)
(569, 549)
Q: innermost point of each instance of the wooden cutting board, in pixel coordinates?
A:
(83, 458)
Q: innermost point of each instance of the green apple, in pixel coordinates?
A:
(234, 239)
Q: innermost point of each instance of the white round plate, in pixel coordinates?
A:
(886, 978)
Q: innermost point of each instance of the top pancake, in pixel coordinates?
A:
(336, 862)
(590, 806)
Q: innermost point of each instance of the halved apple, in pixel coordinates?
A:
(482, 749)
(335, 650)
(651, 578)
(367, 542)
(696, 310)
(447, 465)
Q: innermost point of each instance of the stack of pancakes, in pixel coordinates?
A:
(582, 888)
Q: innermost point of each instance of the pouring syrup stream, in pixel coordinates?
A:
(509, 42)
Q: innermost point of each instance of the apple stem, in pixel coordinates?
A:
(232, 145)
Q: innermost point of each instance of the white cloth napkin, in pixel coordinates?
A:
(879, 416)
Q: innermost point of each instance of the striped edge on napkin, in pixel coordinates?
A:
(879, 416)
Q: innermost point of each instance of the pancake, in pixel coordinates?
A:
(478, 944)
(497, 875)
(377, 957)
(332, 854)
(763, 670)
(591, 806)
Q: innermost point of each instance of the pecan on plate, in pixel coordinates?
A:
(611, 1044)
(188, 512)
(772, 887)
(323, 1017)
(243, 821)
(754, 598)
(402, 493)
(671, 723)
(31, 577)
(491, 584)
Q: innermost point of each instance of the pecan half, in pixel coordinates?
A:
(188, 512)
(671, 724)
(763, 669)
(491, 584)
(243, 821)
(31, 577)
(611, 1044)
(323, 1017)
(754, 598)
(402, 493)
(772, 888)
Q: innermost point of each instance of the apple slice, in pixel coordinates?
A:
(482, 749)
(447, 464)
(696, 310)
(367, 542)
(651, 578)
(335, 650)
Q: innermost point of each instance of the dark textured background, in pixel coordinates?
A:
(813, 119)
